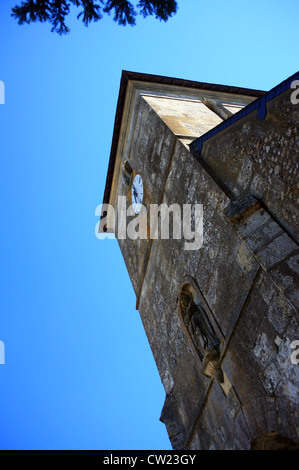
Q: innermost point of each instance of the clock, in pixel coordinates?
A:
(137, 194)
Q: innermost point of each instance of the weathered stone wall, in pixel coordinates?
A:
(261, 157)
(148, 152)
(247, 272)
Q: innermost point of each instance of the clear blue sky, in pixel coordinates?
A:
(79, 373)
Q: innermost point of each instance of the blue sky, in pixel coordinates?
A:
(78, 372)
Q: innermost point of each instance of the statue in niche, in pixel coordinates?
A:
(201, 332)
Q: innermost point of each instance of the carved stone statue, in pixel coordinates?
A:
(202, 333)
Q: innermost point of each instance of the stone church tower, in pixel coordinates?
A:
(221, 319)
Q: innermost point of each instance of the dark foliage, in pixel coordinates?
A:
(124, 12)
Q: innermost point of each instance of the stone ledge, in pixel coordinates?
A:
(241, 209)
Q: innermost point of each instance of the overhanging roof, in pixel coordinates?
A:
(259, 105)
(157, 79)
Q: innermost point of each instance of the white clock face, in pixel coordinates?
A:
(137, 193)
